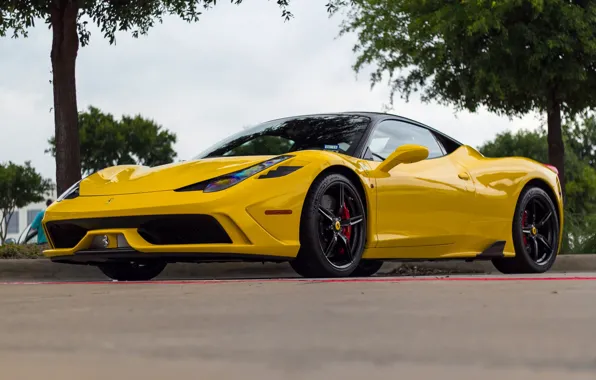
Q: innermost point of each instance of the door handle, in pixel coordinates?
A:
(464, 176)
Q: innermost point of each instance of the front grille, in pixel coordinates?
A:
(155, 229)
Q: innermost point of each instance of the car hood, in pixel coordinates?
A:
(132, 179)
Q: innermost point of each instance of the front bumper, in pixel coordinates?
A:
(243, 213)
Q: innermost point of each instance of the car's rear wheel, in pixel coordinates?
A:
(133, 271)
(367, 268)
(332, 229)
(535, 234)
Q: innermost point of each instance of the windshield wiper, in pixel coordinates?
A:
(377, 156)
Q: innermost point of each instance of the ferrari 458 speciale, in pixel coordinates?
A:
(335, 195)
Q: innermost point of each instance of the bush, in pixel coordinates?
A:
(588, 245)
(22, 251)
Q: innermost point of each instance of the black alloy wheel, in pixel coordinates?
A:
(539, 230)
(332, 229)
(535, 234)
(133, 271)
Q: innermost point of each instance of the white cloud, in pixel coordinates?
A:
(239, 65)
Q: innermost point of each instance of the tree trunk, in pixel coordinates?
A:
(4, 227)
(556, 148)
(65, 45)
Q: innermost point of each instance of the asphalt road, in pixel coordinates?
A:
(300, 330)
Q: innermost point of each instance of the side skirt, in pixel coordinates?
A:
(494, 251)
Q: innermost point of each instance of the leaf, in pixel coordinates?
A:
(504, 55)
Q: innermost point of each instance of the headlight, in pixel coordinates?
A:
(72, 192)
(228, 180)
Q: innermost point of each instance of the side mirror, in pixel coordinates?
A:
(405, 154)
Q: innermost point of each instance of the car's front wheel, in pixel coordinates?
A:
(332, 229)
(132, 271)
(535, 234)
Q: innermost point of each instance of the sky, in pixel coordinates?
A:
(238, 66)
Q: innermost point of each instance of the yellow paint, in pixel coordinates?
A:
(449, 207)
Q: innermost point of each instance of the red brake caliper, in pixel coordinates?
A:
(524, 220)
(347, 231)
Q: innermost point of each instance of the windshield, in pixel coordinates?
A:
(338, 133)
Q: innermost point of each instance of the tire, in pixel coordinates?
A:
(535, 234)
(132, 271)
(333, 220)
(367, 268)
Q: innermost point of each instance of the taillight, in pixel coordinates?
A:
(553, 168)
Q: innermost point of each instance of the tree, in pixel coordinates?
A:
(583, 139)
(19, 186)
(106, 141)
(580, 205)
(510, 56)
(68, 20)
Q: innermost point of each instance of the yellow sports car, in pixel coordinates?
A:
(333, 194)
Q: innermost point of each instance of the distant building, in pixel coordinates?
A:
(24, 216)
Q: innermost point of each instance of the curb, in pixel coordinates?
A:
(43, 269)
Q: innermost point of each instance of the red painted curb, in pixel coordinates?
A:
(297, 280)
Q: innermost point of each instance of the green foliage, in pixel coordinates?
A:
(511, 56)
(580, 205)
(19, 186)
(136, 16)
(106, 141)
(589, 244)
(583, 139)
(524, 143)
(22, 251)
(68, 20)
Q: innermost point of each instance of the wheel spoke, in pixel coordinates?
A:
(327, 214)
(533, 211)
(331, 246)
(341, 198)
(352, 221)
(542, 239)
(544, 220)
(535, 248)
(346, 243)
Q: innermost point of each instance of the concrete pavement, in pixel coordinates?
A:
(24, 270)
(300, 329)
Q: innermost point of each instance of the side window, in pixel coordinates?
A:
(391, 134)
